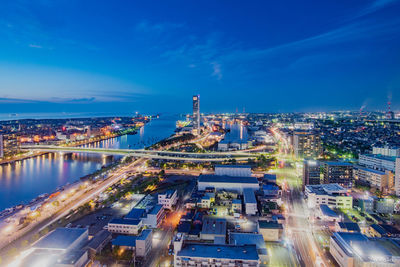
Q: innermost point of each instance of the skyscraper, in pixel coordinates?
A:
(196, 113)
(307, 145)
(311, 172)
(338, 172)
(1, 146)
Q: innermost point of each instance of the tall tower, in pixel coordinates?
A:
(1, 146)
(196, 113)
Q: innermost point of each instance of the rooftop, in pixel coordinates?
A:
(144, 234)
(269, 225)
(135, 213)
(370, 170)
(210, 178)
(245, 252)
(323, 189)
(249, 239)
(61, 238)
(124, 240)
(337, 163)
(233, 166)
(350, 226)
(168, 193)
(125, 221)
(379, 156)
(214, 226)
(248, 196)
(328, 211)
(155, 210)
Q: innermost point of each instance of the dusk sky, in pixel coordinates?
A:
(152, 56)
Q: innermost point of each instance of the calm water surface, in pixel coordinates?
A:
(22, 181)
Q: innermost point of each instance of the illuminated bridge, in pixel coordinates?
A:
(150, 154)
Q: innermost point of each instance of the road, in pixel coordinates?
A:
(75, 203)
(299, 229)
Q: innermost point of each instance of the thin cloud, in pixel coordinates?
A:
(35, 46)
(216, 70)
(146, 26)
(375, 6)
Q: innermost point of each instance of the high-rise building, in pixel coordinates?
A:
(1, 146)
(397, 177)
(386, 151)
(338, 172)
(196, 113)
(307, 145)
(311, 172)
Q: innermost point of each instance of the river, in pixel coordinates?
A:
(22, 181)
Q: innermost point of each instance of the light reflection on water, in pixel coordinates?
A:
(22, 181)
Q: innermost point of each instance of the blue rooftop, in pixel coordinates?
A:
(370, 170)
(379, 156)
(155, 209)
(61, 238)
(210, 178)
(249, 239)
(328, 211)
(124, 240)
(245, 252)
(125, 221)
(350, 226)
(135, 213)
(144, 234)
(337, 163)
(248, 196)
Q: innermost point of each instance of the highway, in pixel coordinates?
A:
(54, 215)
(149, 154)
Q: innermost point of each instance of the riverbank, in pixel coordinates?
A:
(44, 172)
(29, 155)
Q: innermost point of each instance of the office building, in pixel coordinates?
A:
(397, 177)
(338, 172)
(270, 230)
(333, 195)
(168, 199)
(311, 172)
(229, 183)
(386, 151)
(377, 162)
(365, 204)
(9, 145)
(250, 202)
(154, 217)
(141, 244)
(125, 226)
(233, 170)
(1, 146)
(196, 113)
(384, 205)
(373, 178)
(217, 255)
(307, 145)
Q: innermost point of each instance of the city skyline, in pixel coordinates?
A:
(113, 57)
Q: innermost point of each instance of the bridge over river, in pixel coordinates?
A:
(150, 154)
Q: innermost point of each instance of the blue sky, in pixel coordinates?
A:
(152, 56)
